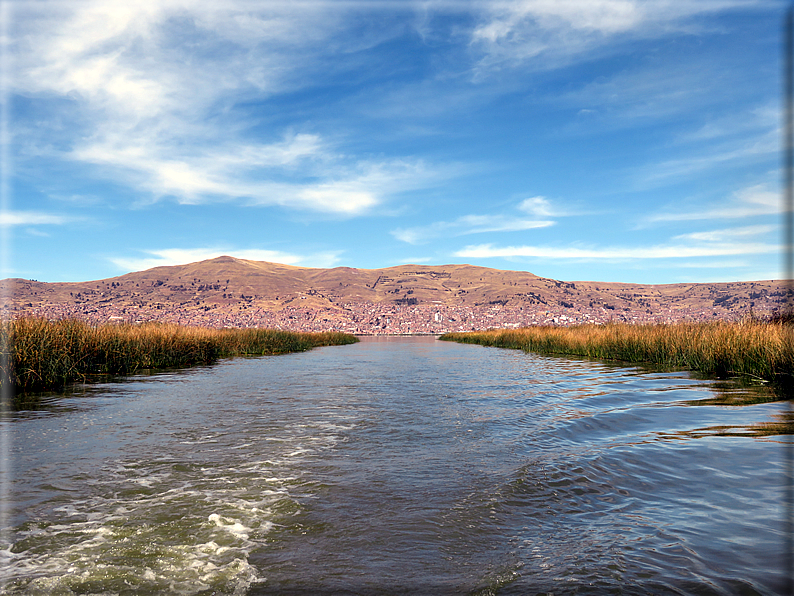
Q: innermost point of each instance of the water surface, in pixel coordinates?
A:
(398, 466)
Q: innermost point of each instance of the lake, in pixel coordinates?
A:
(398, 466)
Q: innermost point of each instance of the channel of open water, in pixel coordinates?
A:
(398, 466)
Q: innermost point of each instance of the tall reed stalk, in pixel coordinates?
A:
(42, 355)
(758, 349)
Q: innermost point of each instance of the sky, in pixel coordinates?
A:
(606, 140)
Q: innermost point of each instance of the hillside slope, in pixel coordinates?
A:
(231, 286)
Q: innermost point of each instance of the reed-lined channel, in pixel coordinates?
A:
(398, 466)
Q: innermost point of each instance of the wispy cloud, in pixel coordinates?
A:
(737, 241)
(766, 117)
(151, 88)
(413, 260)
(181, 256)
(729, 234)
(548, 33)
(300, 172)
(759, 146)
(538, 207)
(735, 248)
(159, 115)
(668, 251)
(647, 92)
(30, 218)
(302, 106)
(716, 265)
(733, 140)
(467, 224)
(752, 201)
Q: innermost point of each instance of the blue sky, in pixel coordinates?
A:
(610, 140)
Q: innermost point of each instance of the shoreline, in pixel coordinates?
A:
(759, 350)
(40, 355)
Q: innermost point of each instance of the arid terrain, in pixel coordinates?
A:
(231, 292)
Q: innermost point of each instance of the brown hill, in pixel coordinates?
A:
(230, 285)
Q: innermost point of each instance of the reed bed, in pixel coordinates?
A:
(764, 350)
(42, 355)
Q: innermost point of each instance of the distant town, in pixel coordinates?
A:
(408, 299)
(382, 319)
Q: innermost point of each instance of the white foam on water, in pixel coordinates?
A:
(200, 440)
(175, 568)
(332, 426)
(232, 526)
(68, 509)
(179, 540)
(165, 525)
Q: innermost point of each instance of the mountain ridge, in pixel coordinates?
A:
(215, 291)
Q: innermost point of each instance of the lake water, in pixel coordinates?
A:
(398, 466)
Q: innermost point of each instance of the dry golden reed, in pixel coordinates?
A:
(42, 355)
(753, 348)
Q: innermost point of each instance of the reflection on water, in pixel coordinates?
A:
(401, 466)
(741, 392)
(781, 424)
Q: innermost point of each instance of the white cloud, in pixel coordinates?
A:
(607, 16)
(766, 117)
(256, 173)
(468, 224)
(729, 234)
(762, 145)
(720, 264)
(354, 190)
(153, 85)
(36, 232)
(181, 256)
(748, 202)
(538, 207)
(413, 260)
(550, 33)
(681, 251)
(29, 218)
(133, 59)
(646, 92)
(744, 137)
(477, 224)
(722, 248)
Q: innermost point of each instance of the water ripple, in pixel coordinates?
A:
(400, 466)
